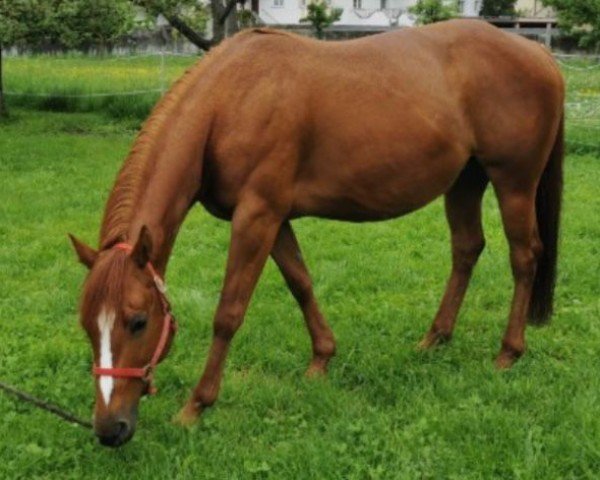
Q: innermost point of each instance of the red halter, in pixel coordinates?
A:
(169, 325)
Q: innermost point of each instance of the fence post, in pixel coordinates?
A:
(163, 80)
(3, 111)
(548, 39)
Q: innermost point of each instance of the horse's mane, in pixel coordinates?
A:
(138, 166)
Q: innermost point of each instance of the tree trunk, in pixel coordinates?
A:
(3, 110)
(216, 11)
(224, 23)
(190, 33)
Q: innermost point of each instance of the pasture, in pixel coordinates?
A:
(385, 411)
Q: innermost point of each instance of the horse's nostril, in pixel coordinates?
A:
(119, 433)
(123, 428)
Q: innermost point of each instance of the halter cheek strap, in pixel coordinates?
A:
(169, 326)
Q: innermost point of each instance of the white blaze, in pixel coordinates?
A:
(106, 321)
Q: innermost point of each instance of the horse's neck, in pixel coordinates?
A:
(159, 197)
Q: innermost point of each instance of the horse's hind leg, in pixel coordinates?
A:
(286, 253)
(254, 227)
(517, 207)
(463, 211)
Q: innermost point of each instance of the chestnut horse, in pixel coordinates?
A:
(271, 126)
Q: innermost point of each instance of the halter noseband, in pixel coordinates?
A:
(169, 325)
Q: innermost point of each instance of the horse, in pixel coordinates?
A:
(269, 127)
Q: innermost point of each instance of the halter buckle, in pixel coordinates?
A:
(148, 373)
(161, 286)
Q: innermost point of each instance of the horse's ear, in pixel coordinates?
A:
(87, 255)
(143, 248)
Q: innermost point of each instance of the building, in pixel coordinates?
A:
(382, 13)
(374, 13)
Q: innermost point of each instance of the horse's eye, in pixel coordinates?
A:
(137, 323)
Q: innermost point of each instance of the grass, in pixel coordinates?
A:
(385, 411)
(583, 105)
(78, 83)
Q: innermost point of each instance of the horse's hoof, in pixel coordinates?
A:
(188, 415)
(427, 343)
(317, 368)
(433, 339)
(506, 359)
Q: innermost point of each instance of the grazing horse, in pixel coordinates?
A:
(271, 126)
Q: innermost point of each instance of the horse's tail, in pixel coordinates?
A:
(547, 204)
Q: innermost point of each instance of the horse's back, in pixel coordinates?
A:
(464, 73)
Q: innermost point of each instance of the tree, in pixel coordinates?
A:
(189, 18)
(83, 24)
(10, 31)
(21, 21)
(431, 11)
(320, 15)
(62, 23)
(579, 19)
(498, 8)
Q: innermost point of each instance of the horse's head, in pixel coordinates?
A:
(126, 316)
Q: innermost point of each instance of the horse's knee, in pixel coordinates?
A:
(466, 252)
(228, 320)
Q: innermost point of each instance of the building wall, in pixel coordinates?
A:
(354, 12)
(371, 13)
(470, 8)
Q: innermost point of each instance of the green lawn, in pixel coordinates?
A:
(121, 87)
(385, 411)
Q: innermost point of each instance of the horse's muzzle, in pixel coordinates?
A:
(114, 432)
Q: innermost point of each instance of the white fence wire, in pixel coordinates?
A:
(116, 58)
(86, 95)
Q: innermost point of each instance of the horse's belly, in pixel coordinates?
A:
(376, 190)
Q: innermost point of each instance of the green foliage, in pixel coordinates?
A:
(498, 8)
(194, 13)
(431, 11)
(386, 411)
(320, 15)
(167, 7)
(64, 23)
(93, 23)
(26, 21)
(247, 19)
(579, 19)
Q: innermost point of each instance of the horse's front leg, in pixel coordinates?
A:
(254, 227)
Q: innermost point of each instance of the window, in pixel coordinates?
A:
(278, 3)
(357, 3)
